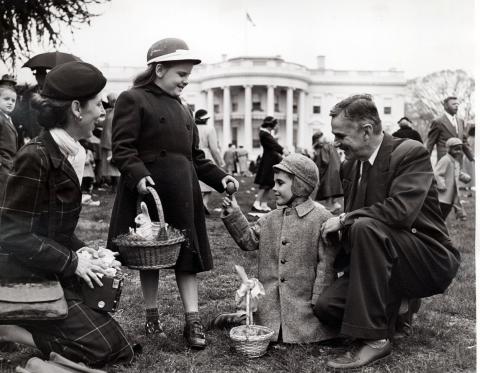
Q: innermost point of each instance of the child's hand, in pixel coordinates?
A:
(228, 204)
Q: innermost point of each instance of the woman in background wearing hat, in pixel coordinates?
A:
(272, 154)
(209, 145)
(40, 210)
(155, 143)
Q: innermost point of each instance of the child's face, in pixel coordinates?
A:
(7, 100)
(455, 151)
(174, 79)
(282, 187)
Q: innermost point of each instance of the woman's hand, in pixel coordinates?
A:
(87, 269)
(229, 178)
(143, 183)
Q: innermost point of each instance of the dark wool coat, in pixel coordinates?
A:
(154, 134)
(39, 211)
(328, 162)
(272, 154)
(8, 145)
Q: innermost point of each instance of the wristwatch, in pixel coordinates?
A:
(341, 219)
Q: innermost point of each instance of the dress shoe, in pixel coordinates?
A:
(195, 335)
(153, 328)
(364, 356)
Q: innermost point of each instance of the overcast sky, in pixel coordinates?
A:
(417, 36)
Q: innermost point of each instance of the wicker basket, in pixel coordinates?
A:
(159, 253)
(251, 340)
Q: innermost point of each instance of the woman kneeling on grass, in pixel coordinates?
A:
(155, 143)
(294, 265)
(40, 207)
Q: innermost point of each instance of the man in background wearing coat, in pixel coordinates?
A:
(395, 244)
(446, 126)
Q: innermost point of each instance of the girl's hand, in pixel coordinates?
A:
(228, 204)
(229, 178)
(87, 269)
(143, 183)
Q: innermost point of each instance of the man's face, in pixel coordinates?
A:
(349, 138)
(451, 106)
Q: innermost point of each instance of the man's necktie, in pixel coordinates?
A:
(361, 190)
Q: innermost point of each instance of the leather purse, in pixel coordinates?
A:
(32, 301)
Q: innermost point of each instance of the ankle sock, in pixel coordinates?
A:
(192, 316)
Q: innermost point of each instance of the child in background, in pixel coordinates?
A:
(8, 133)
(294, 264)
(448, 176)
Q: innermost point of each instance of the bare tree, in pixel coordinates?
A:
(25, 21)
(424, 100)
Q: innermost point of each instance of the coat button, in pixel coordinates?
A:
(414, 230)
(282, 280)
(163, 152)
(283, 261)
(189, 127)
(284, 241)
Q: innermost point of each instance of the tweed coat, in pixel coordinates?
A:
(441, 130)
(294, 267)
(402, 193)
(447, 173)
(272, 154)
(155, 135)
(39, 211)
(8, 145)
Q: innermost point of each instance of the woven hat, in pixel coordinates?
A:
(170, 49)
(453, 141)
(301, 167)
(73, 81)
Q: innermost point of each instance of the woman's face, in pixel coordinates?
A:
(90, 114)
(173, 79)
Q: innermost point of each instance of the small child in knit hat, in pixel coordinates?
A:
(294, 264)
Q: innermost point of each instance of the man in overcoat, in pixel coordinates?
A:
(394, 241)
(446, 126)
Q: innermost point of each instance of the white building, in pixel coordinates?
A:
(242, 91)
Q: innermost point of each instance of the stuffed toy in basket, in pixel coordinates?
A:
(250, 340)
(152, 245)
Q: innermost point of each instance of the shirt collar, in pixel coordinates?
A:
(372, 158)
(303, 208)
(451, 118)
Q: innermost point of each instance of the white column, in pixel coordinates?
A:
(289, 119)
(204, 101)
(248, 119)
(302, 139)
(227, 136)
(271, 100)
(210, 107)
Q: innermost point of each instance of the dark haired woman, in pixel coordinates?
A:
(272, 154)
(155, 143)
(39, 212)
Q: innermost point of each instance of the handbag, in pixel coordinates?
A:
(28, 296)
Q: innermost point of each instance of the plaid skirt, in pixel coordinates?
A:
(86, 335)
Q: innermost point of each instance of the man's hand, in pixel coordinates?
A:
(331, 225)
(87, 269)
(230, 178)
(143, 183)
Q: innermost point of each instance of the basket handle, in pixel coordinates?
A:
(249, 320)
(158, 203)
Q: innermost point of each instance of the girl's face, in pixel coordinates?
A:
(282, 187)
(7, 100)
(173, 79)
(90, 114)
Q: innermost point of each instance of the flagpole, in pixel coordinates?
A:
(245, 42)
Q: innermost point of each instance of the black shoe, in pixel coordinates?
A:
(194, 335)
(153, 328)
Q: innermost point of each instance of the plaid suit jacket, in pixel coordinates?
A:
(40, 205)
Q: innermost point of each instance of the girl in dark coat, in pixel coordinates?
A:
(39, 212)
(155, 143)
(272, 154)
(328, 162)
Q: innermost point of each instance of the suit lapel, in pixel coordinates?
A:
(449, 126)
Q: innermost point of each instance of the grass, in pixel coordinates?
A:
(444, 330)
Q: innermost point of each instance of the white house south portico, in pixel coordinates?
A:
(240, 92)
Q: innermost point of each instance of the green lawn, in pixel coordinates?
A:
(444, 330)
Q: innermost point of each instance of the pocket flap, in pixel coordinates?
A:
(30, 292)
